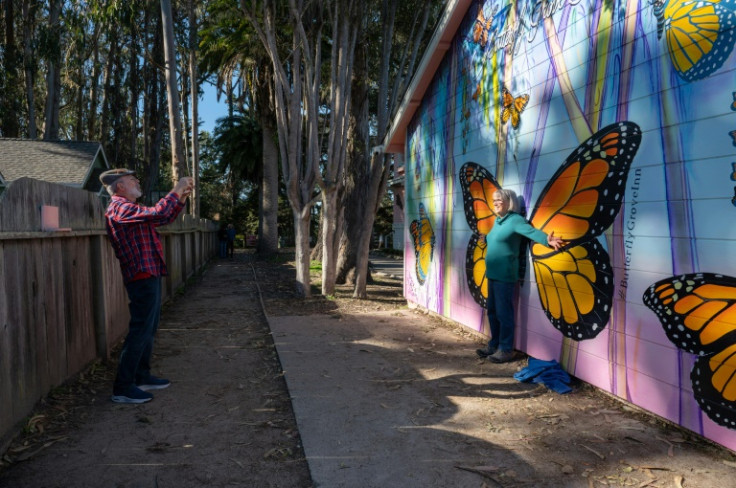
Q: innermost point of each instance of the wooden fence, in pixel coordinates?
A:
(62, 299)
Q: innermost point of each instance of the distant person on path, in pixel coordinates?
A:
(231, 240)
(132, 232)
(502, 271)
(222, 237)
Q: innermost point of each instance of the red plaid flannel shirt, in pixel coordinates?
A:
(132, 231)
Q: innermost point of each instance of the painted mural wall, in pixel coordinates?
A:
(615, 123)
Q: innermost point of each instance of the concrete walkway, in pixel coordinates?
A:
(398, 399)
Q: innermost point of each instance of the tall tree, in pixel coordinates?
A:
(178, 163)
(308, 159)
(238, 142)
(268, 232)
(399, 51)
(298, 171)
(53, 72)
(345, 18)
(231, 49)
(29, 65)
(9, 103)
(194, 94)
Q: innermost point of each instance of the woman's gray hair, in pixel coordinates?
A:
(509, 196)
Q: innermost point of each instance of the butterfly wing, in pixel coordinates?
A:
(479, 32)
(575, 288)
(520, 102)
(700, 35)
(583, 197)
(477, 185)
(475, 268)
(508, 106)
(579, 202)
(698, 314)
(424, 239)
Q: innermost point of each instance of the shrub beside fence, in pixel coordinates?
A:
(62, 299)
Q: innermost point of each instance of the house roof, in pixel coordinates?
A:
(438, 46)
(65, 162)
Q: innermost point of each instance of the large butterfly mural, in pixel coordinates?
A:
(698, 314)
(699, 34)
(423, 238)
(579, 203)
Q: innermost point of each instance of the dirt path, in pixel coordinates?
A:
(386, 396)
(225, 421)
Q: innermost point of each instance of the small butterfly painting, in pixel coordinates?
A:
(512, 108)
(423, 238)
(480, 28)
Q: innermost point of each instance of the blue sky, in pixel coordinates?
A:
(209, 108)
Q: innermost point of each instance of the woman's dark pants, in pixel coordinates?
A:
(500, 305)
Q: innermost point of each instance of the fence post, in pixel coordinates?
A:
(97, 280)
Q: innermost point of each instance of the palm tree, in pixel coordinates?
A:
(238, 142)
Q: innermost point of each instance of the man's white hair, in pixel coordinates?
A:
(112, 188)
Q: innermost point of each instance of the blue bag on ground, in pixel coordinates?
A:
(549, 373)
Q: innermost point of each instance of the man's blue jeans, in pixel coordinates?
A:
(500, 306)
(145, 311)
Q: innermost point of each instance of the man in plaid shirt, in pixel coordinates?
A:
(132, 232)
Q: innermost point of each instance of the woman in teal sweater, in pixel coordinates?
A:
(502, 270)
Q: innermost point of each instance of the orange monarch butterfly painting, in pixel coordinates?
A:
(512, 108)
(423, 237)
(699, 34)
(480, 28)
(579, 203)
(698, 314)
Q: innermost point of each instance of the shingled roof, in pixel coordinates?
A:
(68, 163)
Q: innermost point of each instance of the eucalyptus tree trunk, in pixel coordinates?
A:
(194, 94)
(107, 89)
(53, 75)
(29, 65)
(11, 60)
(154, 103)
(94, 87)
(298, 172)
(346, 16)
(268, 230)
(134, 96)
(178, 165)
(268, 235)
(356, 170)
(390, 93)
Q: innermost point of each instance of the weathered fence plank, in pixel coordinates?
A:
(54, 312)
(62, 298)
(80, 333)
(6, 403)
